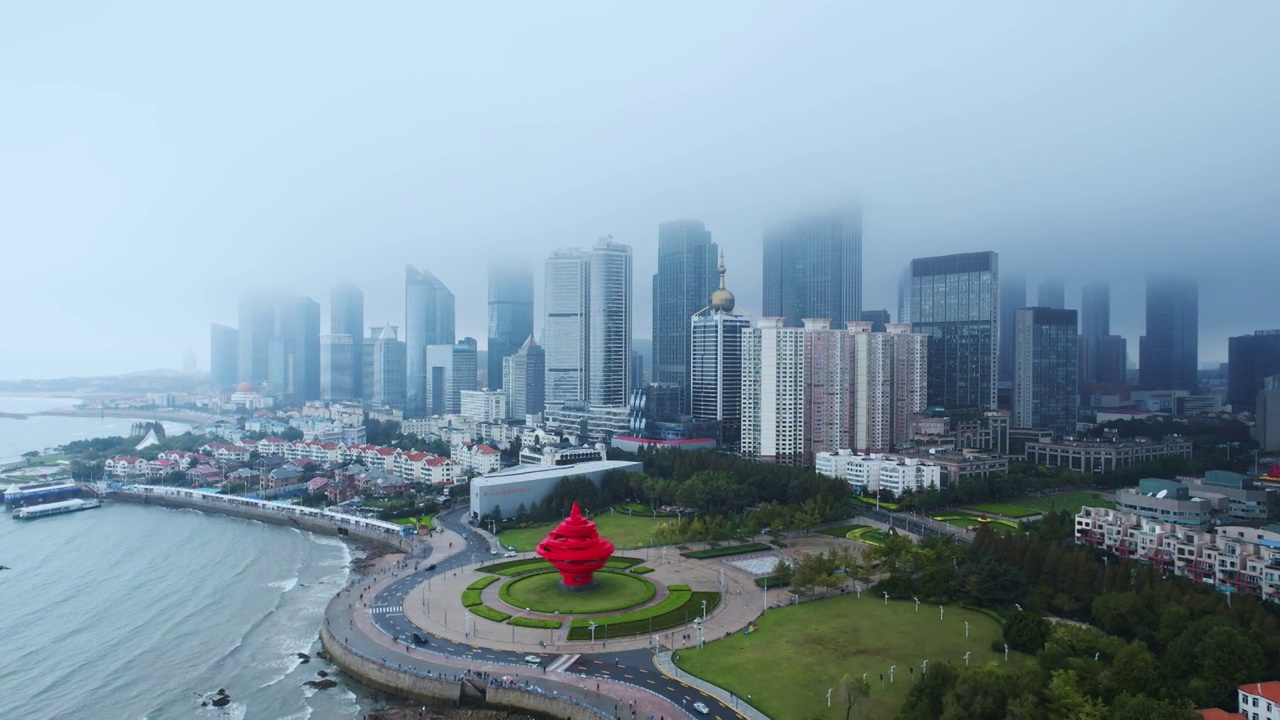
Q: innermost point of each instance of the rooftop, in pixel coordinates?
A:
(525, 473)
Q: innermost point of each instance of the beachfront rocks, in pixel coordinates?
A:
(305, 658)
(219, 699)
(322, 673)
(324, 684)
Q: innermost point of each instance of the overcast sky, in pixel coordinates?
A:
(158, 158)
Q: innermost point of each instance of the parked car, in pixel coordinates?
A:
(702, 708)
(509, 553)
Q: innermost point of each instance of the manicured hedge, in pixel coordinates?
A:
(678, 608)
(471, 598)
(641, 570)
(726, 551)
(535, 623)
(483, 582)
(489, 613)
(840, 531)
(771, 581)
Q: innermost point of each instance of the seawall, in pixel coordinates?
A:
(416, 687)
(355, 528)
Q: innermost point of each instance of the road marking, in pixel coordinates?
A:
(386, 609)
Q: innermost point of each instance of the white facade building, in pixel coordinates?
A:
(609, 373)
(484, 405)
(715, 368)
(879, 473)
(773, 392)
(567, 329)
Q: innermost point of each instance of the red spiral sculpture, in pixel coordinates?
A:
(576, 549)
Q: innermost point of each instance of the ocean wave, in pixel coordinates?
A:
(286, 585)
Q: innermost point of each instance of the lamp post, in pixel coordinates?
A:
(891, 669)
(966, 628)
(886, 598)
(940, 611)
(917, 603)
(924, 666)
(592, 625)
(829, 691)
(966, 658)
(1006, 652)
(704, 611)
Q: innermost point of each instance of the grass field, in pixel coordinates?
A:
(798, 652)
(624, 531)
(869, 535)
(1071, 502)
(1003, 527)
(840, 530)
(543, 593)
(1013, 511)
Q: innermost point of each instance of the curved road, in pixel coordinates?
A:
(635, 667)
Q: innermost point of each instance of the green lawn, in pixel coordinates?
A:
(1003, 527)
(798, 652)
(624, 531)
(840, 530)
(1071, 502)
(1013, 511)
(543, 593)
(869, 535)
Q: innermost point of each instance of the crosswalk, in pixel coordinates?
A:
(562, 662)
(386, 609)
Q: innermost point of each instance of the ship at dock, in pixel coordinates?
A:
(56, 508)
(42, 491)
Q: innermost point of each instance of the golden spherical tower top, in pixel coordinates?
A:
(721, 298)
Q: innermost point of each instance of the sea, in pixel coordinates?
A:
(135, 612)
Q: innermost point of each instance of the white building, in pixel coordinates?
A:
(506, 490)
(890, 381)
(879, 473)
(477, 458)
(567, 328)
(1260, 701)
(773, 392)
(715, 368)
(484, 405)
(609, 335)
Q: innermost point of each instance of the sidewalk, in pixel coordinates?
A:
(669, 668)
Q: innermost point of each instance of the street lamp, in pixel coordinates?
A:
(940, 611)
(917, 603)
(1006, 652)
(924, 666)
(886, 598)
(966, 658)
(704, 611)
(891, 669)
(592, 625)
(829, 691)
(966, 628)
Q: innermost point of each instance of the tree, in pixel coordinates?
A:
(30, 455)
(853, 691)
(1026, 631)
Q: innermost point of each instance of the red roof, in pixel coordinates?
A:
(384, 451)
(329, 446)
(486, 450)
(273, 440)
(1268, 690)
(438, 461)
(1216, 714)
(416, 456)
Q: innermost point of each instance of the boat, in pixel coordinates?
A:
(55, 508)
(41, 491)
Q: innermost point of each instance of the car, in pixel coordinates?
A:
(431, 567)
(509, 554)
(419, 639)
(702, 708)
(493, 552)
(533, 659)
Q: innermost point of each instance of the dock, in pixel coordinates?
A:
(55, 508)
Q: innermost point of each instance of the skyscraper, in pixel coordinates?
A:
(1013, 297)
(715, 378)
(428, 314)
(1167, 354)
(890, 384)
(609, 336)
(386, 371)
(1052, 293)
(1095, 326)
(955, 302)
(510, 313)
(450, 370)
(1045, 388)
(524, 376)
(904, 295)
(257, 328)
(878, 319)
(1251, 359)
(813, 268)
(346, 317)
(339, 365)
(224, 355)
(685, 279)
(567, 303)
(773, 392)
(1112, 361)
(293, 355)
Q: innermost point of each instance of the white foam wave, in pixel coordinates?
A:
(303, 714)
(286, 585)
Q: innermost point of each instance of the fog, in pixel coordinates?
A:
(157, 159)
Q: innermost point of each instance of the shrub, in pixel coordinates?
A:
(535, 623)
(483, 582)
(641, 570)
(726, 551)
(471, 598)
(489, 613)
(772, 581)
(677, 609)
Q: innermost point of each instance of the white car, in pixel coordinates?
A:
(509, 554)
(533, 659)
(701, 708)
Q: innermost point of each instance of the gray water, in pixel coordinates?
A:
(40, 432)
(136, 612)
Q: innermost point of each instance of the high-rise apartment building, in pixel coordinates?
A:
(904, 295)
(1095, 327)
(429, 318)
(715, 377)
(339, 364)
(567, 304)
(1052, 293)
(224, 355)
(609, 335)
(1251, 359)
(524, 376)
(813, 267)
(1045, 389)
(1167, 354)
(773, 392)
(450, 370)
(890, 385)
(955, 302)
(1266, 429)
(1112, 361)
(510, 314)
(346, 317)
(1013, 297)
(878, 319)
(293, 354)
(386, 368)
(686, 277)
